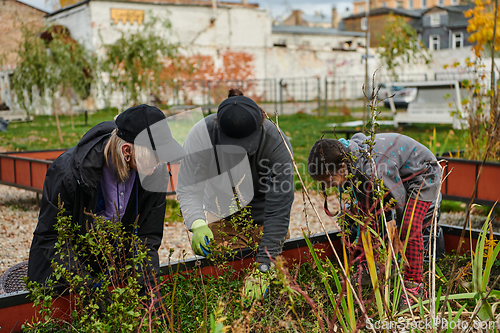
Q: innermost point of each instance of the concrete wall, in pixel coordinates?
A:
(198, 29)
(322, 43)
(79, 23)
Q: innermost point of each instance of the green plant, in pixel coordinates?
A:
(105, 271)
(56, 67)
(485, 248)
(135, 61)
(399, 45)
(173, 211)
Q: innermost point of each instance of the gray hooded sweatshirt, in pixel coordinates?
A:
(264, 183)
(407, 168)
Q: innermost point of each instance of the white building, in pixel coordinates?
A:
(203, 29)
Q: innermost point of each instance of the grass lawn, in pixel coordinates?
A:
(303, 130)
(41, 133)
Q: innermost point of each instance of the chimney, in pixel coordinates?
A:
(335, 21)
(297, 14)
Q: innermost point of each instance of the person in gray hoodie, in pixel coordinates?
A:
(238, 161)
(408, 170)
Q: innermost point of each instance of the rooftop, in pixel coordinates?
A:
(416, 13)
(166, 2)
(319, 18)
(301, 30)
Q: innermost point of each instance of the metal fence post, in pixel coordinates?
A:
(318, 81)
(305, 90)
(281, 96)
(204, 92)
(209, 101)
(275, 94)
(177, 92)
(326, 96)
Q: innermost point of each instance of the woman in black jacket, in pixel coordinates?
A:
(107, 174)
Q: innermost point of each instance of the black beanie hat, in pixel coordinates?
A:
(239, 119)
(134, 120)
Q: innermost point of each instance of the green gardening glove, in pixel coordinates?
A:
(256, 284)
(202, 235)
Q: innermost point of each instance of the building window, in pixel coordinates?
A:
(454, 2)
(384, 4)
(280, 43)
(458, 40)
(364, 24)
(434, 42)
(441, 3)
(361, 9)
(424, 3)
(305, 43)
(410, 4)
(399, 4)
(435, 20)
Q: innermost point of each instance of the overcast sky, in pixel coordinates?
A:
(277, 8)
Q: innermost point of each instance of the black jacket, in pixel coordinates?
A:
(74, 176)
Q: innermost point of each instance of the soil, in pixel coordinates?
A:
(477, 222)
(19, 215)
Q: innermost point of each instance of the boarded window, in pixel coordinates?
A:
(280, 43)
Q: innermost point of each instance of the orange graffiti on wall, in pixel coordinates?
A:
(198, 73)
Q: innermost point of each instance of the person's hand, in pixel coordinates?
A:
(202, 235)
(256, 284)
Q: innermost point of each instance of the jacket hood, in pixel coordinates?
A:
(89, 154)
(104, 128)
(357, 142)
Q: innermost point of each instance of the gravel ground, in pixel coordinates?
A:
(477, 222)
(19, 212)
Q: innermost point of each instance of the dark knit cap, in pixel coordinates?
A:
(239, 120)
(147, 126)
(134, 120)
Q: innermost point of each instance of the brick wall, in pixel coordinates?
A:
(13, 14)
(376, 27)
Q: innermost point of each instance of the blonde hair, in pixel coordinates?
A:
(144, 157)
(114, 151)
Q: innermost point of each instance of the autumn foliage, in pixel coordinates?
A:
(481, 26)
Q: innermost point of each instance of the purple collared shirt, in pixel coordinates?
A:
(115, 194)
